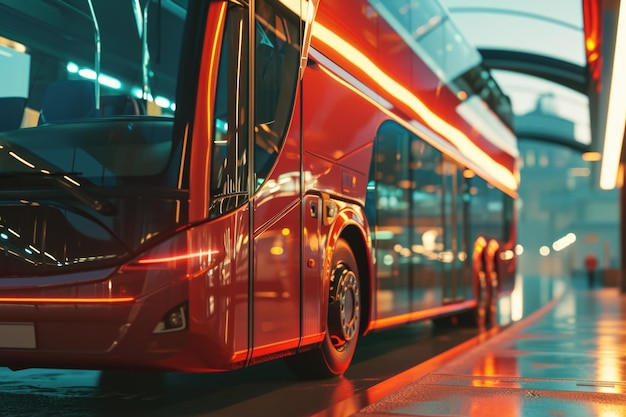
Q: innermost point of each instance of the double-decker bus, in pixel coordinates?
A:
(202, 185)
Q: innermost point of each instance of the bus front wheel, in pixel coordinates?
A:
(333, 357)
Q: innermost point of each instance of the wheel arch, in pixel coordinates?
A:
(362, 253)
(350, 225)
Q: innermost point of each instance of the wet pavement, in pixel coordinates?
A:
(567, 359)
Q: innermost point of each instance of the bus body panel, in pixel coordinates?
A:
(219, 300)
(420, 97)
(337, 144)
(254, 281)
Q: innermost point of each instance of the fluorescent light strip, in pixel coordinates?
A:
(616, 119)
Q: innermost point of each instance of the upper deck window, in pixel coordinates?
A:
(427, 29)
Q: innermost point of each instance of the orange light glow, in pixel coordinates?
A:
(201, 155)
(440, 126)
(592, 22)
(591, 44)
(66, 300)
(592, 156)
(167, 259)
(468, 173)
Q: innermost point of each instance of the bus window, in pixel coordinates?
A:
(276, 73)
(404, 201)
(229, 174)
(486, 209)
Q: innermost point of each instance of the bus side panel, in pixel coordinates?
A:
(339, 124)
(218, 295)
(277, 253)
(337, 145)
(366, 47)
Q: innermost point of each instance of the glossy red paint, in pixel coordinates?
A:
(255, 281)
(82, 334)
(219, 295)
(204, 110)
(593, 39)
(410, 91)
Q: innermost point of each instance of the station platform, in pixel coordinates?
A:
(566, 359)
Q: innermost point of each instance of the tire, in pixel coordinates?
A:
(485, 315)
(333, 357)
(481, 313)
(492, 301)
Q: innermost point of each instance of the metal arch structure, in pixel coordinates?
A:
(575, 77)
(532, 125)
(552, 69)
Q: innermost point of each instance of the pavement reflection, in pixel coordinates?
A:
(566, 359)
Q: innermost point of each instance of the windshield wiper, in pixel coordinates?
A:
(64, 181)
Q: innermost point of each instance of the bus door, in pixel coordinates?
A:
(453, 255)
(275, 161)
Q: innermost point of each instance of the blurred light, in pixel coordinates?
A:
(50, 256)
(109, 81)
(103, 79)
(72, 180)
(87, 73)
(136, 92)
(564, 242)
(519, 249)
(544, 251)
(592, 156)
(276, 250)
(616, 114)
(579, 172)
(72, 68)
(285, 231)
(517, 299)
(16, 46)
(468, 173)
(507, 255)
(446, 257)
(429, 239)
(22, 160)
(162, 102)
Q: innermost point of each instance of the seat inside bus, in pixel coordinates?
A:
(75, 99)
(11, 112)
(67, 100)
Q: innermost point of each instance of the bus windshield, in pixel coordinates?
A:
(87, 99)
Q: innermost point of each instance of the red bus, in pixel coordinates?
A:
(205, 185)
